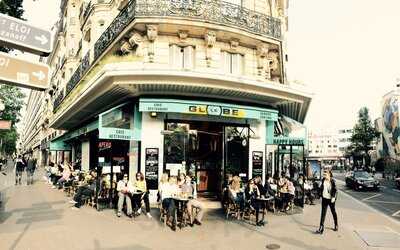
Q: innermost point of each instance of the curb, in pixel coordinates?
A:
(368, 206)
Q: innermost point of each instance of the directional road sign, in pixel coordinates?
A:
(22, 73)
(5, 125)
(19, 34)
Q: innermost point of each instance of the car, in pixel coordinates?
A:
(397, 180)
(362, 180)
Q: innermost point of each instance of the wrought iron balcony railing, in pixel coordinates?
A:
(212, 11)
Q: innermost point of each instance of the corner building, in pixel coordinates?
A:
(195, 86)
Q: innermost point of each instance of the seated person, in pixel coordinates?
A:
(169, 189)
(140, 185)
(87, 188)
(65, 176)
(290, 195)
(269, 187)
(189, 188)
(236, 194)
(252, 192)
(181, 180)
(124, 188)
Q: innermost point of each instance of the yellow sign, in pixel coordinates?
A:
(22, 73)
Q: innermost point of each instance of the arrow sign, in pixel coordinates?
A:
(23, 73)
(19, 34)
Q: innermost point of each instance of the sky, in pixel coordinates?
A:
(346, 51)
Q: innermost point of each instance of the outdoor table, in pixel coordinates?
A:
(181, 211)
(134, 195)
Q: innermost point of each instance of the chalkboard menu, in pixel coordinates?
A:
(257, 163)
(151, 165)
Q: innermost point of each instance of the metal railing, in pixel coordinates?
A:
(213, 11)
(78, 74)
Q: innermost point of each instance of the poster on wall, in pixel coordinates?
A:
(257, 163)
(151, 165)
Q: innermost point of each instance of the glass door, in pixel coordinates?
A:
(236, 152)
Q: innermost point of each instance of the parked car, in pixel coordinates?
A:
(397, 180)
(359, 180)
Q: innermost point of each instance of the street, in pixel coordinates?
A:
(387, 200)
(38, 217)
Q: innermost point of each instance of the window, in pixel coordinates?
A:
(182, 57)
(232, 63)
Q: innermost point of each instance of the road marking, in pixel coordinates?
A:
(373, 196)
(397, 214)
(384, 202)
(396, 190)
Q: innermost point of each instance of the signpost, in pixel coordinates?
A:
(19, 34)
(23, 73)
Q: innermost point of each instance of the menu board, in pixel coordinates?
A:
(151, 165)
(257, 163)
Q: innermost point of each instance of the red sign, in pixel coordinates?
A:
(6, 125)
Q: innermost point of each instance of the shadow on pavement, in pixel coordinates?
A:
(135, 246)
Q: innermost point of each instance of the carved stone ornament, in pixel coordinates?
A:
(183, 35)
(125, 47)
(210, 38)
(234, 44)
(262, 61)
(152, 33)
(136, 41)
(275, 65)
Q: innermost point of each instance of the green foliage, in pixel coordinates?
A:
(12, 8)
(363, 135)
(12, 97)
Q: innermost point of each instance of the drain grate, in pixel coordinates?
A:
(272, 246)
(380, 238)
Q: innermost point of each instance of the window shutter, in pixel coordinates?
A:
(176, 57)
(188, 57)
(226, 62)
(236, 64)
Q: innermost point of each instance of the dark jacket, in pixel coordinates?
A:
(31, 166)
(333, 191)
(20, 165)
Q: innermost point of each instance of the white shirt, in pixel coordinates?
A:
(326, 193)
(122, 185)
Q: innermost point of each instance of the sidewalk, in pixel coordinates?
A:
(38, 217)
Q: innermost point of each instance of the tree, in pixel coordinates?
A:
(11, 96)
(363, 135)
(12, 8)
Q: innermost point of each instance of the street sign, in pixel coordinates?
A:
(19, 34)
(5, 125)
(22, 73)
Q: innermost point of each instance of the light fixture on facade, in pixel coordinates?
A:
(153, 114)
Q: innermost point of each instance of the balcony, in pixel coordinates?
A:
(210, 11)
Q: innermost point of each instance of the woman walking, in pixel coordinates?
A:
(328, 193)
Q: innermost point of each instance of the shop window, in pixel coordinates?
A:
(182, 57)
(232, 63)
(118, 118)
